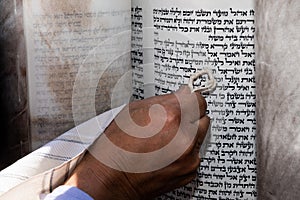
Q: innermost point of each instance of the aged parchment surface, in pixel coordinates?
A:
(278, 98)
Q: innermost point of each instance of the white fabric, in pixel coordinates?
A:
(49, 166)
(65, 192)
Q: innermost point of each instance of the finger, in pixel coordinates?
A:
(180, 181)
(191, 102)
(187, 178)
(201, 103)
(186, 90)
(192, 105)
(198, 130)
(203, 125)
(176, 182)
(196, 106)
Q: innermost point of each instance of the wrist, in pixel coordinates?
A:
(100, 181)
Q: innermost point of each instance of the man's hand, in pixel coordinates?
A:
(150, 148)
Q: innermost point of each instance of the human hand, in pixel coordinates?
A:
(150, 148)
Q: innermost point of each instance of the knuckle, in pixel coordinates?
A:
(195, 165)
(173, 116)
(202, 102)
(194, 175)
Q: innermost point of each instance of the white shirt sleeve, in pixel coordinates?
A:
(68, 193)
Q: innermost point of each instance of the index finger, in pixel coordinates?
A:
(193, 104)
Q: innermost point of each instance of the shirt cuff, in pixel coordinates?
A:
(65, 192)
